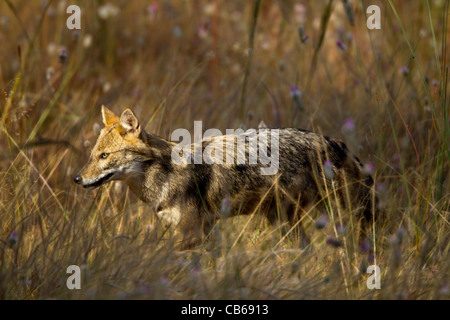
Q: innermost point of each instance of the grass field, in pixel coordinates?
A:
(230, 64)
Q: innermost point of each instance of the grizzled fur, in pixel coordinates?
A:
(189, 196)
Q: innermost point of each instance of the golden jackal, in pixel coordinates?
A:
(189, 196)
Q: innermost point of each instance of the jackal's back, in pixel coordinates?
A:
(300, 176)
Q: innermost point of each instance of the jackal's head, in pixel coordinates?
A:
(119, 152)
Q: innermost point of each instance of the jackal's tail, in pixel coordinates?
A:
(357, 186)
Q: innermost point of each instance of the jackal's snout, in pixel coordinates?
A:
(77, 179)
(91, 183)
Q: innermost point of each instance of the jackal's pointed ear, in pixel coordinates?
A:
(129, 122)
(109, 117)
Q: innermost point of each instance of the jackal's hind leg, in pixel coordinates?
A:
(288, 217)
(296, 215)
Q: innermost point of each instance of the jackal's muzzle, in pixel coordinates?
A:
(92, 184)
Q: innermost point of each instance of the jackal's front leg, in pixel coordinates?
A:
(186, 227)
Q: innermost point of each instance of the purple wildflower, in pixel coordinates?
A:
(396, 160)
(444, 290)
(202, 32)
(341, 229)
(225, 207)
(303, 37)
(335, 243)
(328, 170)
(63, 56)
(295, 92)
(369, 168)
(380, 187)
(177, 32)
(13, 238)
(25, 282)
(164, 281)
(400, 234)
(364, 246)
(341, 46)
(405, 71)
(296, 96)
(321, 222)
(195, 271)
(349, 125)
(152, 8)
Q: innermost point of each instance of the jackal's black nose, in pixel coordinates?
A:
(77, 179)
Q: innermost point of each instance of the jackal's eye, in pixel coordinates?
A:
(104, 155)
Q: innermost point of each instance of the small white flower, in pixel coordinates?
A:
(49, 73)
(87, 41)
(96, 128)
(107, 11)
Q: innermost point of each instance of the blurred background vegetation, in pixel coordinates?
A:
(307, 64)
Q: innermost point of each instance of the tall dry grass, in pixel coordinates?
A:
(382, 91)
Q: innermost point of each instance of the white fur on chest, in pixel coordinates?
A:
(170, 217)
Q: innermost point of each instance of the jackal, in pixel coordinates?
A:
(188, 197)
